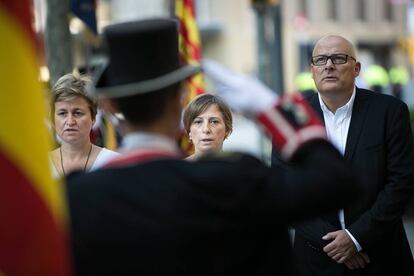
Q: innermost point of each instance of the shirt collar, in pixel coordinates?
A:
(347, 108)
(148, 140)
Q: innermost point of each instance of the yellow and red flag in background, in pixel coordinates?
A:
(190, 44)
(190, 53)
(33, 238)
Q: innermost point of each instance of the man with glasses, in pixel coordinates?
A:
(335, 58)
(372, 131)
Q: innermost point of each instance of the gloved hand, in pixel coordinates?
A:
(242, 93)
(289, 119)
(291, 124)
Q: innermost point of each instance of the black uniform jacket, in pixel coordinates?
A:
(222, 215)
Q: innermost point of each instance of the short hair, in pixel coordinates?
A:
(200, 103)
(350, 46)
(70, 86)
(147, 107)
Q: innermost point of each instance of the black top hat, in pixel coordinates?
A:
(143, 57)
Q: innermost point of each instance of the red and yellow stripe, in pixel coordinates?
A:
(190, 53)
(32, 211)
(190, 44)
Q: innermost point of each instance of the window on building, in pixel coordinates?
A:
(303, 7)
(305, 55)
(388, 7)
(361, 10)
(333, 10)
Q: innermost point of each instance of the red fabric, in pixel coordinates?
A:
(291, 123)
(140, 156)
(30, 240)
(23, 15)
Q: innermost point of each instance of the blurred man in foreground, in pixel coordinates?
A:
(150, 212)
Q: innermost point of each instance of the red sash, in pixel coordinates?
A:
(141, 156)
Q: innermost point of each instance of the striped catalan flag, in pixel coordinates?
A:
(190, 53)
(33, 238)
(190, 44)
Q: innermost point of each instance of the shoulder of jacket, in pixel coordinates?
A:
(381, 98)
(229, 156)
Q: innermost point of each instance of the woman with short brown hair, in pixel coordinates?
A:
(73, 112)
(208, 122)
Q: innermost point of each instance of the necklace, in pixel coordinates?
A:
(84, 167)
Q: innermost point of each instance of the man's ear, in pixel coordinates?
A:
(357, 68)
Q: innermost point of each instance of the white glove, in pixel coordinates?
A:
(291, 124)
(242, 93)
(289, 120)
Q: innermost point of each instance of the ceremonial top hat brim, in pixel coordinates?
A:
(143, 57)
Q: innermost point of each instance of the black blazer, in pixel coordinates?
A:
(380, 147)
(222, 215)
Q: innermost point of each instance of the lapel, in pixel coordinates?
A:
(314, 102)
(359, 112)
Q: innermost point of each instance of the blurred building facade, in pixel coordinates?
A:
(376, 27)
(229, 29)
(230, 34)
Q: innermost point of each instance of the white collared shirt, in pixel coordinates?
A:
(148, 140)
(337, 124)
(337, 127)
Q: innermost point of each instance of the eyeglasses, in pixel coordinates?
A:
(335, 58)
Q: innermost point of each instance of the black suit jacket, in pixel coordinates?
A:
(222, 215)
(380, 147)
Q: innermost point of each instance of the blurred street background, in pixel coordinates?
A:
(271, 40)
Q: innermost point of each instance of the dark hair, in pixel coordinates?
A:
(199, 104)
(148, 107)
(70, 86)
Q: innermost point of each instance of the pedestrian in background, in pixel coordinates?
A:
(305, 84)
(399, 77)
(376, 77)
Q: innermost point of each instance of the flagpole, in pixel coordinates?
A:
(58, 39)
(172, 8)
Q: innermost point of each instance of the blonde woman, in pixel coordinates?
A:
(73, 112)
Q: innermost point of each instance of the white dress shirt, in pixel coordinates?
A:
(337, 126)
(148, 140)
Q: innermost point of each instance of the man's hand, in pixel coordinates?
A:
(341, 248)
(359, 260)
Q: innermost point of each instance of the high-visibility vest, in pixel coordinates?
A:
(376, 75)
(399, 75)
(305, 82)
